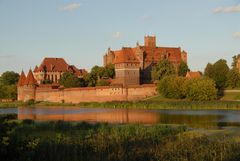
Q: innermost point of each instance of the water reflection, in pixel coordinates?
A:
(193, 118)
(89, 115)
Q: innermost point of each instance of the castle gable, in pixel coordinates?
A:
(53, 65)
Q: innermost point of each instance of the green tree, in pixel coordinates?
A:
(2, 92)
(102, 82)
(209, 70)
(218, 72)
(162, 69)
(172, 87)
(91, 79)
(69, 80)
(200, 89)
(183, 69)
(233, 78)
(109, 71)
(9, 78)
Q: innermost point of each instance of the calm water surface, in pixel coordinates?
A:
(195, 118)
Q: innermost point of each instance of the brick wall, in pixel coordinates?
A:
(89, 94)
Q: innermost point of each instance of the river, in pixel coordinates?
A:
(192, 118)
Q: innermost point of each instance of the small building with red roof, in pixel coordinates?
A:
(191, 74)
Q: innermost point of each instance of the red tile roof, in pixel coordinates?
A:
(53, 65)
(22, 79)
(58, 65)
(126, 55)
(30, 80)
(35, 69)
(193, 74)
(154, 54)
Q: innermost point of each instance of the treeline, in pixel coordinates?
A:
(215, 79)
(98, 76)
(223, 75)
(61, 141)
(8, 85)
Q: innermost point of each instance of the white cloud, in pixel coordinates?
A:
(117, 35)
(70, 7)
(236, 35)
(230, 9)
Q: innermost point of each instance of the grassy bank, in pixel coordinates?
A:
(62, 141)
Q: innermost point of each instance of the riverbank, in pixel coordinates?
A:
(154, 103)
(27, 140)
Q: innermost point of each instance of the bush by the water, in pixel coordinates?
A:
(172, 87)
(200, 89)
(197, 89)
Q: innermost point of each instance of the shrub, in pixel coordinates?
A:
(197, 89)
(200, 89)
(172, 87)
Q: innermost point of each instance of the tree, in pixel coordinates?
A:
(183, 69)
(98, 73)
(218, 72)
(9, 78)
(109, 71)
(233, 78)
(200, 89)
(209, 70)
(69, 80)
(90, 79)
(171, 87)
(162, 69)
(102, 82)
(2, 92)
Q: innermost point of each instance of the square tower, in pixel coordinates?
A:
(150, 41)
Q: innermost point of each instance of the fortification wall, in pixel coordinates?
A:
(93, 94)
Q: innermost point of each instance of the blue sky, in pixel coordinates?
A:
(82, 30)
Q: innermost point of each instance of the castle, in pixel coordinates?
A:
(133, 65)
(132, 81)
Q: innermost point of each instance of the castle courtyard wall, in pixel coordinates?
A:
(94, 94)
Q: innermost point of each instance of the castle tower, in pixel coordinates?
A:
(150, 41)
(29, 87)
(184, 56)
(108, 57)
(20, 85)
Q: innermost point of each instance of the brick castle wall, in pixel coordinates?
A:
(88, 94)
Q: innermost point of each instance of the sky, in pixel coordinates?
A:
(81, 31)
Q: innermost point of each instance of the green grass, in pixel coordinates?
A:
(231, 96)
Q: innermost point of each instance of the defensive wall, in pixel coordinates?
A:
(86, 94)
